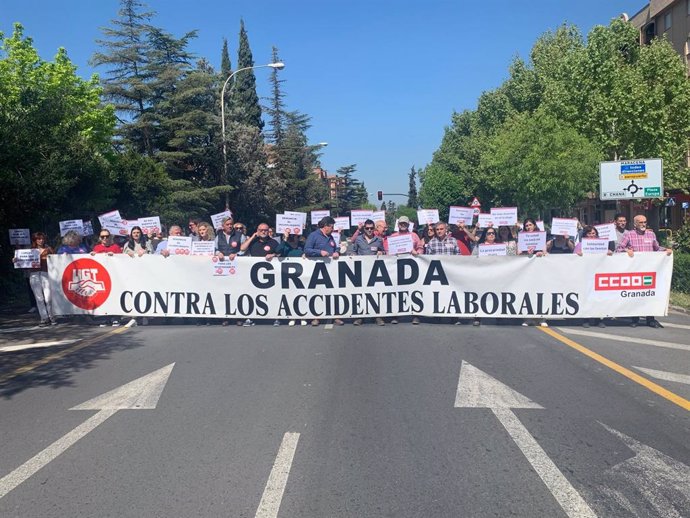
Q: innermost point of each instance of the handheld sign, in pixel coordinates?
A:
(336, 237)
(217, 219)
(504, 216)
(223, 267)
(540, 225)
(112, 215)
(150, 224)
(564, 227)
(400, 244)
(342, 223)
(378, 215)
(27, 258)
(301, 215)
(20, 236)
(318, 215)
(360, 216)
(203, 247)
(292, 223)
(527, 240)
(492, 250)
(606, 231)
(427, 216)
(115, 227)
(72, 224)
(463, 215)
(179, 245)
(594, 246)
(88, 228)
(485, 220)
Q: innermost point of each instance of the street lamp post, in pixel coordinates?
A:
(278, 66)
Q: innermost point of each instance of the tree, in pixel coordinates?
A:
(349, 196)
(276, 108)
(412, 190)
(225, 64)
(245, 108)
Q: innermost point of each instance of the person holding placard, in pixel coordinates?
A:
(162, 248)
(560, 244)
(368, 244)
(291, 245)
(38, 280)
(260, 244)
(71, 244)
(591, 232)
(529, 225)
(137, 244)
(404, 230)
(105, 244)
(229, 239)
(465, 237)
(507, 237)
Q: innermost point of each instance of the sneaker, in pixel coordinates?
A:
(357, 322)
(43, 323)
(585, 324)
(225, 323)
(33, 309)
(276, 323)
(543, 323)
(303, 323)
(248, 323)
(115, 323)
(53, 322)
(394, 320)
(380, 322)
(338, 322)
(476, 322)
(238, 323)
(601, 324)
(291, 323)
(525, 324)
(315, 322)
(415, 321)
(145, 321)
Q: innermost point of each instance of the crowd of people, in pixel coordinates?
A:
(369, 239)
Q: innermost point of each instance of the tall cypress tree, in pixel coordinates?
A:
(225, 64)
(245, 101)
(412, 191)
(276, 108)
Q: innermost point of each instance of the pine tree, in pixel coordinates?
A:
(276, 108)
(225, 64)
(412, 191)
(348, 196)
(383, 206)
(244, 100)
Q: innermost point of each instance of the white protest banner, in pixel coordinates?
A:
(564, 227)
(504, 216)
(301, 215)
(203, 247)
(20, 236)
(360, 216)
(463, 215)
(594, 246)
(223, 267)
(76, 225)
(496, 249)
(540, 225)
(318, 215)
(485, 220)
(150, 224)
(179, 245)
(527, 240)
(342, 223)
(410, 228)
(400, 244)
(217, 219)
(427, 216)
(291, 223)
(112, 215)
(554, 287)
(27, 258)
(378, 215)
(88, 227)
(606, 231)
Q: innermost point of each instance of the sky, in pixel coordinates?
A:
(379, 78)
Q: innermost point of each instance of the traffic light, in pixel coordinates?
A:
(379, 195)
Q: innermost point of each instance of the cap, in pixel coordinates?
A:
(403, 219)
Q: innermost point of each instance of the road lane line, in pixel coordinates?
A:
(35, 345)
(277, 480)
(675, 326)
(15, 329)
(664, 375)
(642, 341)
(564, 493)
(56, 356)
(633, 376)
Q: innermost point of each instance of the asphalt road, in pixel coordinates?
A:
(395, 421)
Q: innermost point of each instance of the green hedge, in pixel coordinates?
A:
(681, 272)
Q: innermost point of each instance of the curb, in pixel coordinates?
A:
(678, 309)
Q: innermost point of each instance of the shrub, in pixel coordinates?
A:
(681, 273)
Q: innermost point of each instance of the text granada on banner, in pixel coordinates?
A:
(501, 287)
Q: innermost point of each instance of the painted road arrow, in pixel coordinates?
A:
(140, 394)
(476, 389)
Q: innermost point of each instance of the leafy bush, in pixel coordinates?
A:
(682, 237)
(681, 273)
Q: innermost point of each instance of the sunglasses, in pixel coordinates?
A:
(368, 228)
(491, 233)
(262, 229)
(104, 237)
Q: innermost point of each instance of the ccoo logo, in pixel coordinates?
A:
(86, 283)
(625, 281)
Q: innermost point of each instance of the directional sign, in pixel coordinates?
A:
(631, 179)
(141, 394)
(476, 389)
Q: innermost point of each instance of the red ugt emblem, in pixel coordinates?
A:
(86, 283)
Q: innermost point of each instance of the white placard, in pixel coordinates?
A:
(493, 250)
(88, 228)
(27, 258)
(564, 227)
(504, 216)
(20, 236)
(114, 226)
(318, 215)
(72, 224)
(217, 219)
(400, 244)
(594, 246)
(150, 224)
(378, 215)
(342, 223)
(427, 216)
(203, 247)
(112, 215)
(484, 220)
(129, 224)
(302, 216)
(360, 216)
(606, 231)
(463, 215)
(290, 222)
(540, 225)
(631, 179)
(179, 245)
(396, 227)
(223, 267)
(527, 240)
(336, 238)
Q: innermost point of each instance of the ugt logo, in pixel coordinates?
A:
(625, 281)
(86, 283)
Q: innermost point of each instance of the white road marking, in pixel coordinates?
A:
(642, 341)
(142, 393)
(666, 376)
(476, 389)
(36, 345)
(328, 326)
(15, 329)
(675, 326)
(277, 480)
